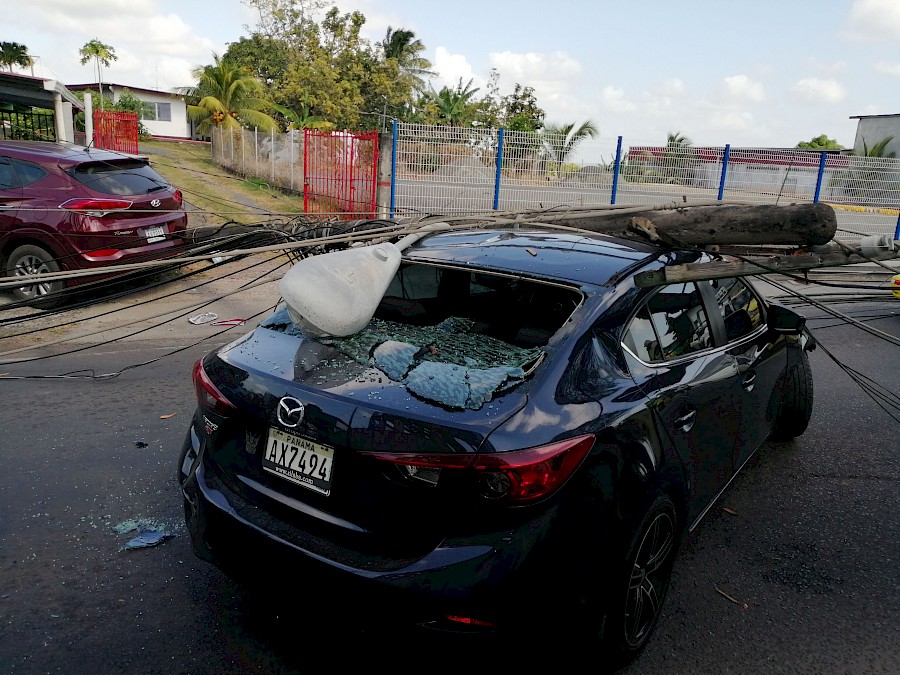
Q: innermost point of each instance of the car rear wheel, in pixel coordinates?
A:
(796, 404)
(643, 582)
(26, 261)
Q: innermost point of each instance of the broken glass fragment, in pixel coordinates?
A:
(395, 358)
(146, 539)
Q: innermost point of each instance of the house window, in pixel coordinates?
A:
(157, 111)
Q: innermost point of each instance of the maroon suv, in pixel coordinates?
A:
(65, 207)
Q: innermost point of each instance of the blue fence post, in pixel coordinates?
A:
(499, 167)
(819, 179)
(393, 165)
(615, 185)
(897, 231)
(724, 169)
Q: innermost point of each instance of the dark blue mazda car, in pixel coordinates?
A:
(520, 437)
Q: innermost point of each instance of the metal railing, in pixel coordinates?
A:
(27, 126)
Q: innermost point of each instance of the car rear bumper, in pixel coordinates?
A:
(490, 582)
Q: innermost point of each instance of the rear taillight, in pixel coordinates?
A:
(96, 207)
(178, 197)
(208, 395)
(518, 477)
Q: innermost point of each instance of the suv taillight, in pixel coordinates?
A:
(96, 207)
(208, 395)
(178, 197)
(516, 477)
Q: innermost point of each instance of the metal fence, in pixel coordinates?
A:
(455, 169)
(440, 169)
(27, 126)
(116, 130)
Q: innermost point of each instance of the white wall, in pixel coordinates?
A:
(874, 129)
(179, 127)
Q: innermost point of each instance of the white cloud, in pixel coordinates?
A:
(741, 87)
(814, 90)
(615, 100)
(873, 20)
(673, 87)
(451, 68)
(535, 67)
(826, 68)
(886, 68)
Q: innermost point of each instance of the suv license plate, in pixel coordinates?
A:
(155, 234)
(299, 460)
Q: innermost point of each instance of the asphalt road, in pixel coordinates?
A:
(799, 574)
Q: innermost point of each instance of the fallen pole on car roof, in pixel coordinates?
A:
(725, 224)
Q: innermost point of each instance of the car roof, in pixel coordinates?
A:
(584, 258)
(64, 154)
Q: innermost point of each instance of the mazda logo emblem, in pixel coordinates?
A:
(290, 412)
(155, 203)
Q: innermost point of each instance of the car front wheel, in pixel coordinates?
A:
(29, 260)
(796, 404)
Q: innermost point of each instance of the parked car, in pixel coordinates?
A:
(520, 438)
(65, 207)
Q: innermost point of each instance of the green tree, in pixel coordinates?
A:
(820, 142)
(302, 119)
(520, 111)
(14, 54)
(679, 159)
(103, 55)
(560, 140)
(455, 106)
(227, 96)
(128, 102)
(403, 46)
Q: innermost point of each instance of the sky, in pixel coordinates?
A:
(766, 73)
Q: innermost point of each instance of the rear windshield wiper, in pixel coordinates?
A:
(157, 188)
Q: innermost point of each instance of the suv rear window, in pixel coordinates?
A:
(119, 177)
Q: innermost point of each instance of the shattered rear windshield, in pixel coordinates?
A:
(455, 337)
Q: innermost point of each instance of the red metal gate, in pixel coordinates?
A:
(340, 171)
(115, 130)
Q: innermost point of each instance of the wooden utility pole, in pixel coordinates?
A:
(726, 224)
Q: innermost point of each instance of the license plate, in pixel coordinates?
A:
(299, 460)
(155, 234)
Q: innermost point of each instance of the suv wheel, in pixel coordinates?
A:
(27, 260)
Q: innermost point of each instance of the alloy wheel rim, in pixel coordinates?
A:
(649, 573)
(29, 265)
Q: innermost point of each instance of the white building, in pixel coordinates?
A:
(875, 128)
(164, 114)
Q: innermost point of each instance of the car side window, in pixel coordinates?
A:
(8, 179)
(672, 323)
(739, 306)
(28, 173)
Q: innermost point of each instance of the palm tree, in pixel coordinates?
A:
(679, 159)
(452, 104)
(103, 55)
(403, 46)
(227, 96)
(14, 54)
(878, 150)
(560, 140)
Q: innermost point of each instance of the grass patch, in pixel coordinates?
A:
(218, 195)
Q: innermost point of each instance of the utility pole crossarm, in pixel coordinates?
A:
(721, 269)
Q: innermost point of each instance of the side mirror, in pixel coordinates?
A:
(784, 321)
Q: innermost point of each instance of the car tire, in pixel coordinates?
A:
(796, 402)
(29, 259)
(642, 583)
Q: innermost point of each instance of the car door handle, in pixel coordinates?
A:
(686, 421)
